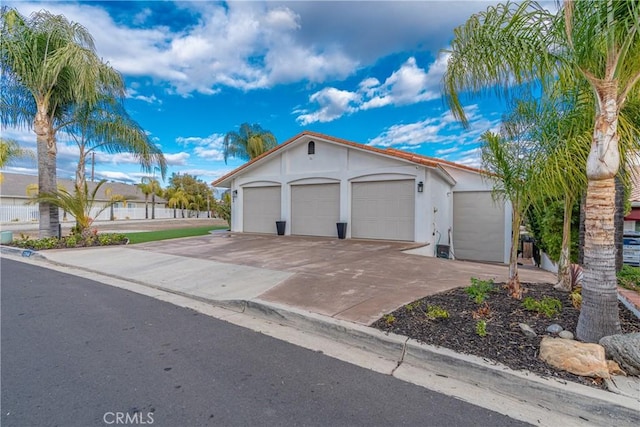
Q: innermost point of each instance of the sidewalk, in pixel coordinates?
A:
(242, 288)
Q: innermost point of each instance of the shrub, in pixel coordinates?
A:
(436, 312)
(629, 278)
(389, 319)
(71, 241)
(481, 328)
(479, 289)
(547, 306)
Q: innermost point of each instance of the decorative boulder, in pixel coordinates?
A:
(554, 328)
(614, 368)
(567, 335)
(527, 330)
(624, 349)
(578, 358)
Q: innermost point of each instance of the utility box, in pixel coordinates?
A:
(442, 251)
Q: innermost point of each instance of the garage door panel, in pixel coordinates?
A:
(478, 227)
(261, 209)
(315, 209)
(383, 210)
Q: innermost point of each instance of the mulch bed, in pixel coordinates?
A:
(504, 342)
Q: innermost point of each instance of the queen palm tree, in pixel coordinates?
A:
(510, 160)
(248, 143)
(559, 126)
(106, 126)
(177, 198)
(48, 64)
(150, 187)
(514, 46)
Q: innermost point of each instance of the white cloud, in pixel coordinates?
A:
(244, 45)
(209, 148)
(445, 151)
(132, 93)
(250, 45)
(409, 84)
(333, 103)
(177, 159)
(443, 130)
(116, 176)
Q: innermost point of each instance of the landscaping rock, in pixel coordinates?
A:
(584, 359)
(614, 368)
(567, 335)
(624, 349)
(554, 328)
(527, 331)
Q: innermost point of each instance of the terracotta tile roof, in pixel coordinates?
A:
(392, 152)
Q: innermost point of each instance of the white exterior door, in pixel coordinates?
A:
(261, 209)
(315, 209)
(478, 227)
(383, 210)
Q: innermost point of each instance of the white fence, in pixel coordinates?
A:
(30, 213)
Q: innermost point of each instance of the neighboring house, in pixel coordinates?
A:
(314, 181)
(16, 191)
(632, 220)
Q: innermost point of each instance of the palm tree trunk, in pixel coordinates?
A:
(80, 171)
(619, 222)
(581, 231)
(153, 205)
(47, 180)
(599, 313)
(564, 263)
(146, 206)
(514, 280)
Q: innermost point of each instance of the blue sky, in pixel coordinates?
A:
(369, 72)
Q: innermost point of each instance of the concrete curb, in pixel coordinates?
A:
(591, 405)
(27, 253)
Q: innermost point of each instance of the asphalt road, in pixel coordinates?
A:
(80, 353)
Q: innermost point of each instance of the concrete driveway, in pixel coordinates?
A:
(355, 280)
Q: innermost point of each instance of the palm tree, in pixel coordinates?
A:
(10, 150)
(510, 161)
(150, 187)
(79, 204)
(560, 128)
(145, 188)
(178, 198)
(106, 126)
(48, 64)
(250, 142)
(514, 46)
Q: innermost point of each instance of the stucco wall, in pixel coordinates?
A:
(336, 163)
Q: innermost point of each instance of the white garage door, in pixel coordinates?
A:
(383, 210)
(261, 209)
(478, 227)
(315, 209)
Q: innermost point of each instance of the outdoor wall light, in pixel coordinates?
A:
(235, 194)
(420, 187)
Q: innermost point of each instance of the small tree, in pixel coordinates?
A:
(509, 163)
(79, 204)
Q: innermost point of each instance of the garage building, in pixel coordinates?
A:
(312, 182)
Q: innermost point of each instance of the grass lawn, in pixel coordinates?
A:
(152, 236)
